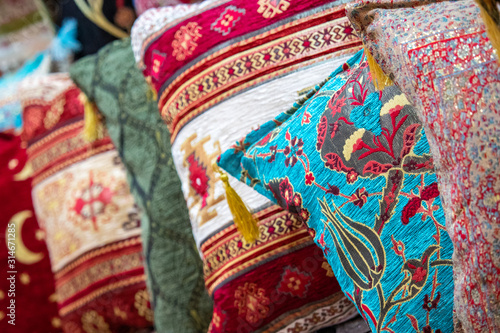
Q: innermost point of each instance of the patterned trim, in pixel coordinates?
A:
(154, 23)
(333, 310)
(41, 144)
(64, 310)
(61, 148)
(80, 157)
(266, 56)
(259, 80)
(229, 254)
(97, 253)
(86, 278)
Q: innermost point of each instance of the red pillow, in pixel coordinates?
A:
(27, 284)
(83, 203)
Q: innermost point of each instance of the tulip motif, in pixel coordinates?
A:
(358, 246)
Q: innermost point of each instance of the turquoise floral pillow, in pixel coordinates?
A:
(354, 164)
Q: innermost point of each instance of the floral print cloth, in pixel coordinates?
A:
(354, 164)
(441, 57)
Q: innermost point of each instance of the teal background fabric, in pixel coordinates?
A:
(354, 164)
(174, 267)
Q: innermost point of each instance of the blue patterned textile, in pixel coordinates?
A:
(354, 164)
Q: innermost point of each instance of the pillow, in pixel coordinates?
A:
(27, 289)
(220, 70)
(174, 268)
(83, 204)
(450, 71)
(354, 164)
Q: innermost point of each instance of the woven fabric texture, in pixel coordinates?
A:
(221, 68)
(174, 269)
(354, 164)
(83, 204)
(142, 5)
(441, 57)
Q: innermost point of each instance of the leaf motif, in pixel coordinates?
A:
(358, 246)
(410, 209)
(409, 139)
(287, 135)
(322, 129)
(376, 168)
(414, 322)
(306, 118)
(334, 162)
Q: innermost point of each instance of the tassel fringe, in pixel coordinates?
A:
(242, 217)
(93, 127)
(380, 80)
(152, 95)
(491, 18)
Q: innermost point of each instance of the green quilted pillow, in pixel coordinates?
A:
(174, 267)
(354, 164)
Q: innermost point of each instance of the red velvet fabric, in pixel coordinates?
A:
(33, 292)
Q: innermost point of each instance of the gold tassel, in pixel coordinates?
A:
(491, 18)
(152, 94)
(380, 80)
(242, 217)
(93, 127)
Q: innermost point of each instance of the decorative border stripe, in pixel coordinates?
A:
(66, 309)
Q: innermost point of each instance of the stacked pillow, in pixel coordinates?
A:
(27, 289)
(83, 204)
(354, 164)
(174, 268)
(220, 70)
(441, 57)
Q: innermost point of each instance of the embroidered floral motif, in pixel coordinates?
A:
(92, 322)
(252, 302)
(377, 177)
(327, 268)
(143, 305)
(283, 193)
(269, 57)
(185, 39)
(441, 57)
(158, 59)
(202, 179)
(271, 8)
(294, 282)
(53, 115)
(428, 304)
(218, 320)
(227, 20)
(94, 200)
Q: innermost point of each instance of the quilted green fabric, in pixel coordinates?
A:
(174, 267)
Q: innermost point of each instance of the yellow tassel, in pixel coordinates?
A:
(93, 127)
(152, 94)
(242, 217)
(491, 18)
(380, 80)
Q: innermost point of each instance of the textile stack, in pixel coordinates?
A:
(238, 166)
